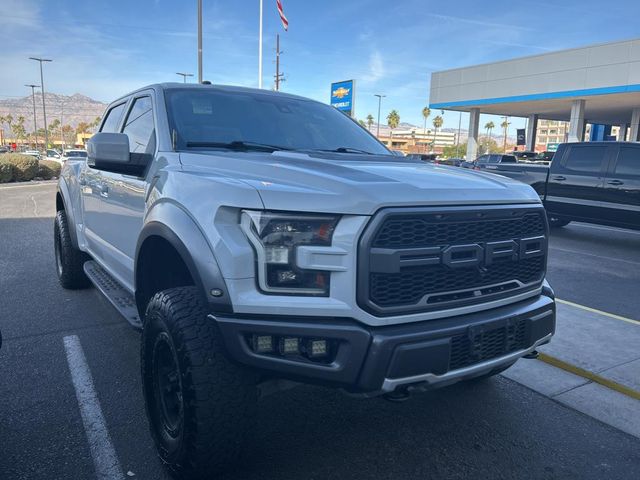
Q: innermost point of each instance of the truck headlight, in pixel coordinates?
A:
(275, 237)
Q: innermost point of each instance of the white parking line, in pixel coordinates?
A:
(104, 455)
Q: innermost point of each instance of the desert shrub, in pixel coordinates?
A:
(25, 167)
(6, 172)
(49, 169)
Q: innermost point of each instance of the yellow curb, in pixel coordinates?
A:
(594, 310)
(605, 382)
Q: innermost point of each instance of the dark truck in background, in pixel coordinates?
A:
(594, 182)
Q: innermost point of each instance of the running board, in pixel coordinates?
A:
(119, 297)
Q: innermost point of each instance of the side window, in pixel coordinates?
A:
(483, 159)
(585, 159)
(112, 119)
(139, 126)
(628, 163)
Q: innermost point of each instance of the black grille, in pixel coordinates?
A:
(384, 289)
(410, 285)
(468, 349)
(425, 231)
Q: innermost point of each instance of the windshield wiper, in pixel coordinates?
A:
(343, 150)
(238, 145)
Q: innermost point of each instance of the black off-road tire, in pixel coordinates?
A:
(69, 260)
(199, 404)
(556, 222)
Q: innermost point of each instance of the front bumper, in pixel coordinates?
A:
(374, 360)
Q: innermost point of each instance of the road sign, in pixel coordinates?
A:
(521, 137)
(342, 96)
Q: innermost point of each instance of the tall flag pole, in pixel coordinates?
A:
(283, 19)
(260, 50)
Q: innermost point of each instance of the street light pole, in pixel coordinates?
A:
(260, 48)
(199, 41)
(35, 125)
(380, 97)
(44, 108)
(184, 76)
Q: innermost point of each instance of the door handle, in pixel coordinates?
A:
(104, 190)
(559, 178)
(615, 182)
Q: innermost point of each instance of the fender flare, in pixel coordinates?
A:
(63, 191)
(189, 241)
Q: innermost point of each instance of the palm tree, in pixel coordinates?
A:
(369, 121)
(489, 126)
(93, 125)
(505, 127)
(426, 111)
(437, 123)
(393, 120)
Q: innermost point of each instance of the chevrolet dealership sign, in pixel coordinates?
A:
(342, 96)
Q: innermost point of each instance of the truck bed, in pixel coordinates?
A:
(534, 175)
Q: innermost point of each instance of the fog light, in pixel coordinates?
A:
(262, 343)
(290, 346)
(316, 348)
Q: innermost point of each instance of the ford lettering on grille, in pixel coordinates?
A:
(420, 260)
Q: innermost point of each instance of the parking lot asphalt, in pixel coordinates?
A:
(493, 429)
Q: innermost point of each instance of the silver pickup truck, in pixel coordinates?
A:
(260, 240)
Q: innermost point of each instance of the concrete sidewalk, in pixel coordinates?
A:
(602, 344)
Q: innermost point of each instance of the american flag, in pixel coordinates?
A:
(285, 22)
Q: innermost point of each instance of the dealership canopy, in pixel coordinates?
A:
(598, 84)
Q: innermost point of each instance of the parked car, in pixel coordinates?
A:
(260, 249)
(524, 154)
(32, 153)
(489, 161)
(425, 157)
(75, 153)
(595, 182)
(54, 155)
(453, 162)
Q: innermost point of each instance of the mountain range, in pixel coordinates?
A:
(68, 109)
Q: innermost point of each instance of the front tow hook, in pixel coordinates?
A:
(532, 356)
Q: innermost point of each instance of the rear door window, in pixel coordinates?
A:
(585, 159)
(628, 163)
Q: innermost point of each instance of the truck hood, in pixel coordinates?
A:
(355, 184)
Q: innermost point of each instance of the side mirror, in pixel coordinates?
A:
(110, 152)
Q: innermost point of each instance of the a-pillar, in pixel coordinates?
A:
(622, 132)
(576, 124)
(472, 142)
(634, 129)
(532, 128)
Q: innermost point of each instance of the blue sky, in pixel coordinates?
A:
(106, 48)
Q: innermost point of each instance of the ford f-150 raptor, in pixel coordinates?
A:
(260, 240)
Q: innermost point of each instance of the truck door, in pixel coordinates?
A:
(93, 191)
(575, 182)
(124, 200)
(621, 193)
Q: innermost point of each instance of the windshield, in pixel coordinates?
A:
(253, 120)
(75, 153)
